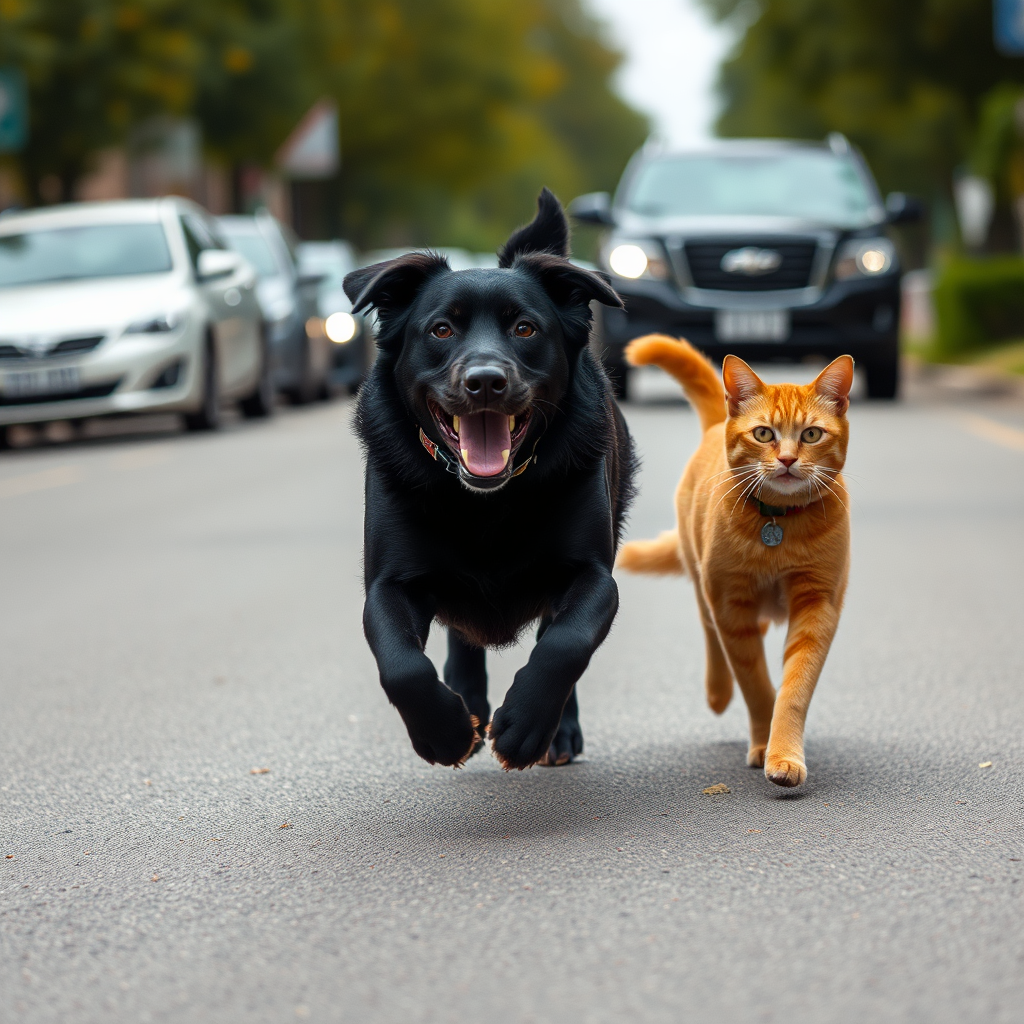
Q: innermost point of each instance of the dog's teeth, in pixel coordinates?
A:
(455, 423)
(465, 455)
(511, 423)
(505, 452)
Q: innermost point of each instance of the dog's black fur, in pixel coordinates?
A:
(487, 556)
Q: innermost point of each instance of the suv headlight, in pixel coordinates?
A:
(864, 257)
(637, 258)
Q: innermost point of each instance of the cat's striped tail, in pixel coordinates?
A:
(692, 369)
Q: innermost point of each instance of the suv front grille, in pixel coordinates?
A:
(705, 262)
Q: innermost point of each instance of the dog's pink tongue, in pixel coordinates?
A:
(485, 442)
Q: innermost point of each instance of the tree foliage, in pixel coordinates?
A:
(904, 81)
(453, 112)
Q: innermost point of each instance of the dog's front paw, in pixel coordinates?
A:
(441, 728)
(518, 739)
(567, 744)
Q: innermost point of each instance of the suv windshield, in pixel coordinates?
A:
(73, 253)
(809, 184)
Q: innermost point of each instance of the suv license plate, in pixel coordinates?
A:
(752, 324)
(58, 380)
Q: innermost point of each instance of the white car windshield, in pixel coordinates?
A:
(808, 184)
(87, 251)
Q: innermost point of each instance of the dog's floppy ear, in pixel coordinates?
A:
(390, 287)
(547, 232)
(567, 284)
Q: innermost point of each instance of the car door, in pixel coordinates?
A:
(234, 318)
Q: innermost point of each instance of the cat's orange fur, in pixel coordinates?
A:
(742, 585)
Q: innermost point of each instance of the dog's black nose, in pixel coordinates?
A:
(484, 384)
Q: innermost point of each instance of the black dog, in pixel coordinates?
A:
(498, 472)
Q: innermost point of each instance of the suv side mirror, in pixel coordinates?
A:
(593, 208)
(903, 209)
(217, 263)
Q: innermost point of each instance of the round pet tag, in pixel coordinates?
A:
(771, 534)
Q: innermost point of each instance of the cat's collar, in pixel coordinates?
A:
(777, 510)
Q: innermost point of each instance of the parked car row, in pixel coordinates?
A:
(156, 306)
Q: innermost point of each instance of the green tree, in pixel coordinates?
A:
(94, 69)
(453, 112)
(904, 81)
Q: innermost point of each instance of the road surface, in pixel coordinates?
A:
(180, 610)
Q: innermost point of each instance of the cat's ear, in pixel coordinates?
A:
(740, 382)
(835, 382)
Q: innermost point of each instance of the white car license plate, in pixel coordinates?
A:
(752, 324)
(56, 380)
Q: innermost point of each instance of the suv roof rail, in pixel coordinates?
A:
(838, 143)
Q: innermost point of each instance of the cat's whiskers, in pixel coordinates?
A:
(749, 477)
(757, 482)
(744, 475)
(833, 492)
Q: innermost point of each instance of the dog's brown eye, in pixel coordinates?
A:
(524, 329)
(442, 331)
(764, 434)
(811, 435)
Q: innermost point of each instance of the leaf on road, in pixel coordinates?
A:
(717, 789)
(155, 878)
(258, 771)
(287, 824)
(985, 764)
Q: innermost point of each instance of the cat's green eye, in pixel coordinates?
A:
(811, 435)
(764, 434)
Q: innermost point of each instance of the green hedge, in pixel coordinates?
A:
(978, 302)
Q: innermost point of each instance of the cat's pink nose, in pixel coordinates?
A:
(787, 460)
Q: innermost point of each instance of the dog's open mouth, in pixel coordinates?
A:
(484, 442)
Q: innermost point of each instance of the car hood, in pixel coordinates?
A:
(93, 305)
(632, 224)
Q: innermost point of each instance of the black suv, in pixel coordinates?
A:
(772, 250)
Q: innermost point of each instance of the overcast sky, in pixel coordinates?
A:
(672, 57)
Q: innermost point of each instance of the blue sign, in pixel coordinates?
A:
(13, 110)
(1008, 24)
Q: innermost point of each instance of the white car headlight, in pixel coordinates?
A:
(159, 323)
(637, 258)
(864, 257)
(341, 328)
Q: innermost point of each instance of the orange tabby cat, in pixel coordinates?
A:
(763, 532)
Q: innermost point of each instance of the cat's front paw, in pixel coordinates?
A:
(788, 771)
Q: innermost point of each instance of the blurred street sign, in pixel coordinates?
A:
(13, 110)
(1008, 25)
(311, 151)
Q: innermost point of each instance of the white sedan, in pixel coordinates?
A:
(127, 307)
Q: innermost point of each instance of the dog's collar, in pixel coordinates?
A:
(440, 454)
(771, 511)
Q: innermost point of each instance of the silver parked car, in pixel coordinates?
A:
(300, 351)
(123, 307)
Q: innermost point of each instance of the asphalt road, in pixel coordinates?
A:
(179, 610)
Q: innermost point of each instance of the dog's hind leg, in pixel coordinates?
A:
(465, 672)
